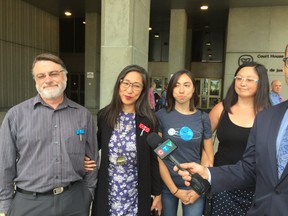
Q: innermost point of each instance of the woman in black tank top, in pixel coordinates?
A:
(233, 118)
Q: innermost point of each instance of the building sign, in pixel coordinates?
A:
(90, 75)
(272, 61)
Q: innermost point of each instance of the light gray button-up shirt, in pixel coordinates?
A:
(40, 148)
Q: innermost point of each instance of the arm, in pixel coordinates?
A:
(165, 175)
(156, 186)
(215, 115)
(91, 151)
(229, 177)
(151, 99)
(7, 162)
(207, 157)
(186, 196)
(243, 173)
(90, 164)
(208, 153)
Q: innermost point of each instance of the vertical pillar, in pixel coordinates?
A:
(177, 40)
(92, 60)
(124, 40)
(188, 57)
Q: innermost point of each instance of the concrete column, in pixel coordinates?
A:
(92, 60)
(124, 40)
(188, 57)
(177, 40)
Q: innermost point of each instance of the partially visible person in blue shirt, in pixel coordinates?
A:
(275, 96)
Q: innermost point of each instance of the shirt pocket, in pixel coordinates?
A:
(75, 148)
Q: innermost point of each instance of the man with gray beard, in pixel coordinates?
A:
(43, 142)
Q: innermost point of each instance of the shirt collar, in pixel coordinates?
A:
(66, 103)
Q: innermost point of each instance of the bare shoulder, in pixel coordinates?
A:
(216, 110)
(215, 115)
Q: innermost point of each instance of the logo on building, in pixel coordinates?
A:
(245, 58)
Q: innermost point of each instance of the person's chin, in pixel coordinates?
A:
(50, 94)
(128, 102)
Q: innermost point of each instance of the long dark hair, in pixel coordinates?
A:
(142, 108)
(172, 83)
(261, 99)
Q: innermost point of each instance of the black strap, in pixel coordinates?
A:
(199, 184)
(202, 141)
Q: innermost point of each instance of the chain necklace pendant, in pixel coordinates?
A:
(121, 160)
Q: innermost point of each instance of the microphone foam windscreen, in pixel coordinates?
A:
(153, 140)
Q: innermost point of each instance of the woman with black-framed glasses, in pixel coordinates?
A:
(129, 171)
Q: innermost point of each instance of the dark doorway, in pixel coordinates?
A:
(75, 87)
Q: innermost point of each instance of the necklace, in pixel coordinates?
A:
(122, 128)
(121, 160)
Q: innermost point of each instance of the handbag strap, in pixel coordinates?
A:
(202, 144)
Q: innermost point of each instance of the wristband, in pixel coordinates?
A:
(176, 191)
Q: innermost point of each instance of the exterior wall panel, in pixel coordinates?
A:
(25, 32)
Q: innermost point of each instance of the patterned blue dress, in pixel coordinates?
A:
(123, 193)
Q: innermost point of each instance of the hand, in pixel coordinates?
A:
(182, 195)
(187, 196)
(193, 197)
(157, 204)
(194, 168)
(89, 164)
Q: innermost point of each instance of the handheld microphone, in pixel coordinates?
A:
(164, 151)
